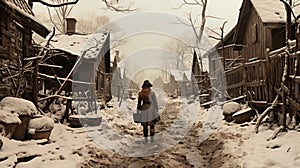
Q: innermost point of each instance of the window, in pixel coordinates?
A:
(19, 39)
(254, 33)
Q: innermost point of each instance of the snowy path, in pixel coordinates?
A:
(118, 143)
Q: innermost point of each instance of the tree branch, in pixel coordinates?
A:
(54, 5)
(110, 6)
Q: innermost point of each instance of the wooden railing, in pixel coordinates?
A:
(261, 80)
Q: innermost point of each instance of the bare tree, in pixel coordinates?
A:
(94, 23)
(221, 38)
(61, 9)
(182, 50)
(197, 23)
(58, 19)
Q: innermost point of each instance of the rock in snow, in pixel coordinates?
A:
(18, 105)
(229, 109)
(42, 123)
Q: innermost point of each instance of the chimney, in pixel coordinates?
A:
(71, 26)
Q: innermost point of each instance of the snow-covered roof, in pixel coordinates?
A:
(95, 45)
(179, 75)
(272, 11)
(20, 5)
(77, 43)
(70, 43)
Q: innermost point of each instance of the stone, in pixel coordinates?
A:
(229, 109)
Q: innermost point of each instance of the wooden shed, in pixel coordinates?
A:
(93, 73)
(17, 23)
(261, 25)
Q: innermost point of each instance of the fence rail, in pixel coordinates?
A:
(261, 79)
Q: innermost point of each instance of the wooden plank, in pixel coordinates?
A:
(234, 99)
(55, 96)
(254, 63)
(51, 66)
(275, 52)
(256, 83)
(285, 88)
(233, 69)
(32, 58)
(236, 85)
(259, 103)
(64, 79)
(296, 78)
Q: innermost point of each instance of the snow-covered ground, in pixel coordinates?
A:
(187, 136)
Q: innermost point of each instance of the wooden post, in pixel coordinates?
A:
(283, 110)
(35, 82)
(289, 21)
(268, 87)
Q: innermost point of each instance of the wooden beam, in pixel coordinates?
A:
(51, 66)
(64, 79)
(285, 89)
(32, 58)
(55, 96)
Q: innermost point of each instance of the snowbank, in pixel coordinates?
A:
(18, 105)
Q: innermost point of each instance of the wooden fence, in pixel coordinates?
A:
(235, 81)
(261, 80)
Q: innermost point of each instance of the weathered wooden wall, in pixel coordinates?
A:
(254, 37)
(262, 78)
(15, 45)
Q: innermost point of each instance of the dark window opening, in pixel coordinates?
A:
(19, 39)
(278, 38)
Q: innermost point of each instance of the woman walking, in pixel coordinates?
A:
(147, 104)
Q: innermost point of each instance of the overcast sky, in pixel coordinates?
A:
(226, 9)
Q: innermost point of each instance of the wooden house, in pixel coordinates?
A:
(93, 73)
(179, 82)
(17, 23)
(261, 25)
(121, 84)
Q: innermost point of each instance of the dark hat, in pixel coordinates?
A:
(146, 84)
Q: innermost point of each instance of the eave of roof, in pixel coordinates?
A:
(25, 17)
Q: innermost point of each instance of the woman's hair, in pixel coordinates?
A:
(144, 93)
